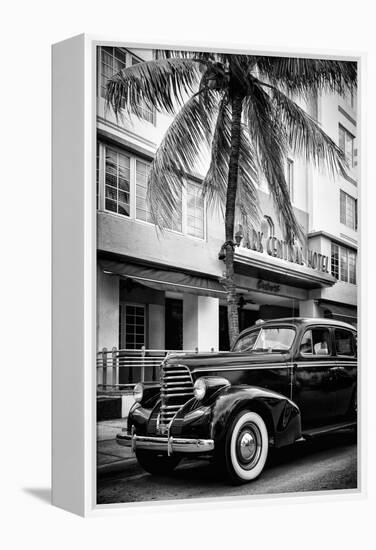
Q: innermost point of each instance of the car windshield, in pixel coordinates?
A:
(266, 339)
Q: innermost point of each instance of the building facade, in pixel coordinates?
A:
(163, 291)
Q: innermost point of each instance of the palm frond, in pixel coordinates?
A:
(215, 182)
(301, 75)
(305, 136)
(247, 198)
(184, 145)
(271, 146)
(204, 57)
(216, 179)
(162, 84)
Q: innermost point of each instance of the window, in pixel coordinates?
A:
(316, 341)
(132, 326)
(290, 178)
(335, 261)
(350, 99)
(346, 143)
(246, 342)
(348, 210)
(345, 342)
(175, 223)
(117, 181)
(266, 339)
(122, 180)
(306, 345)
(145, 113)
(343, 264)
(142, 208)
(113, 60)
(195, 211)
(352, 266)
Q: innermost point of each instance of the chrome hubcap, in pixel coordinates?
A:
(248, 445)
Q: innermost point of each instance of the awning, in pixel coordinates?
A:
(165, 279)
(346, 314)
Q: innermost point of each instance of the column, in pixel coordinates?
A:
(156, 326)
(309, 308)
(107, 317)
(200, 322)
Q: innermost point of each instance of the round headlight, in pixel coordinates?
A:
(199, 389)
(138, 392)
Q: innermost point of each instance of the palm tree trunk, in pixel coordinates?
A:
(232, 302)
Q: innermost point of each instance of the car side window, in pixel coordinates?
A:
(247, 342)
(345, 342)
(316, 341)
(306, 343)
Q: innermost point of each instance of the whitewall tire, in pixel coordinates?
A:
(246, 447)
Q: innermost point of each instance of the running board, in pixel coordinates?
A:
(327, 429)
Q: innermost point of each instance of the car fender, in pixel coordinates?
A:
(280, 414)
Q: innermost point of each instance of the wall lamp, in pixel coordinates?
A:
(238, 239)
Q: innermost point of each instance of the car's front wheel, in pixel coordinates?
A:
(246, 447)
(157, 464)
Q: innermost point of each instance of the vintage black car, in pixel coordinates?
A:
(283, 380)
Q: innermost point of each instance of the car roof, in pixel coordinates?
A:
(304, 321)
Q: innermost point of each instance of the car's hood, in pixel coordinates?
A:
(194, 360)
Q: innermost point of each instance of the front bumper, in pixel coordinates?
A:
(168, 445)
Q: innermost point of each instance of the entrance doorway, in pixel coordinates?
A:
(174, 324)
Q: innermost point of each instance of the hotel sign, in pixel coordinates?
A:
(278, 248)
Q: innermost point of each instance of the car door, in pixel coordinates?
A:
(346, 371)
(314, 380)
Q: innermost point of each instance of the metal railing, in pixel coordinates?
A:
(120, 369)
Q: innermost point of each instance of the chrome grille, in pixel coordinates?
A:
(176, 389)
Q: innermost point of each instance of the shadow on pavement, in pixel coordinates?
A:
(310, 447)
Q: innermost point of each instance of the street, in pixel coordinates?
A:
(325, 463)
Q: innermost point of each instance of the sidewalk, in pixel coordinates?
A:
(111, 457)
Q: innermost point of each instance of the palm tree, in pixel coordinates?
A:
(240, 109)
